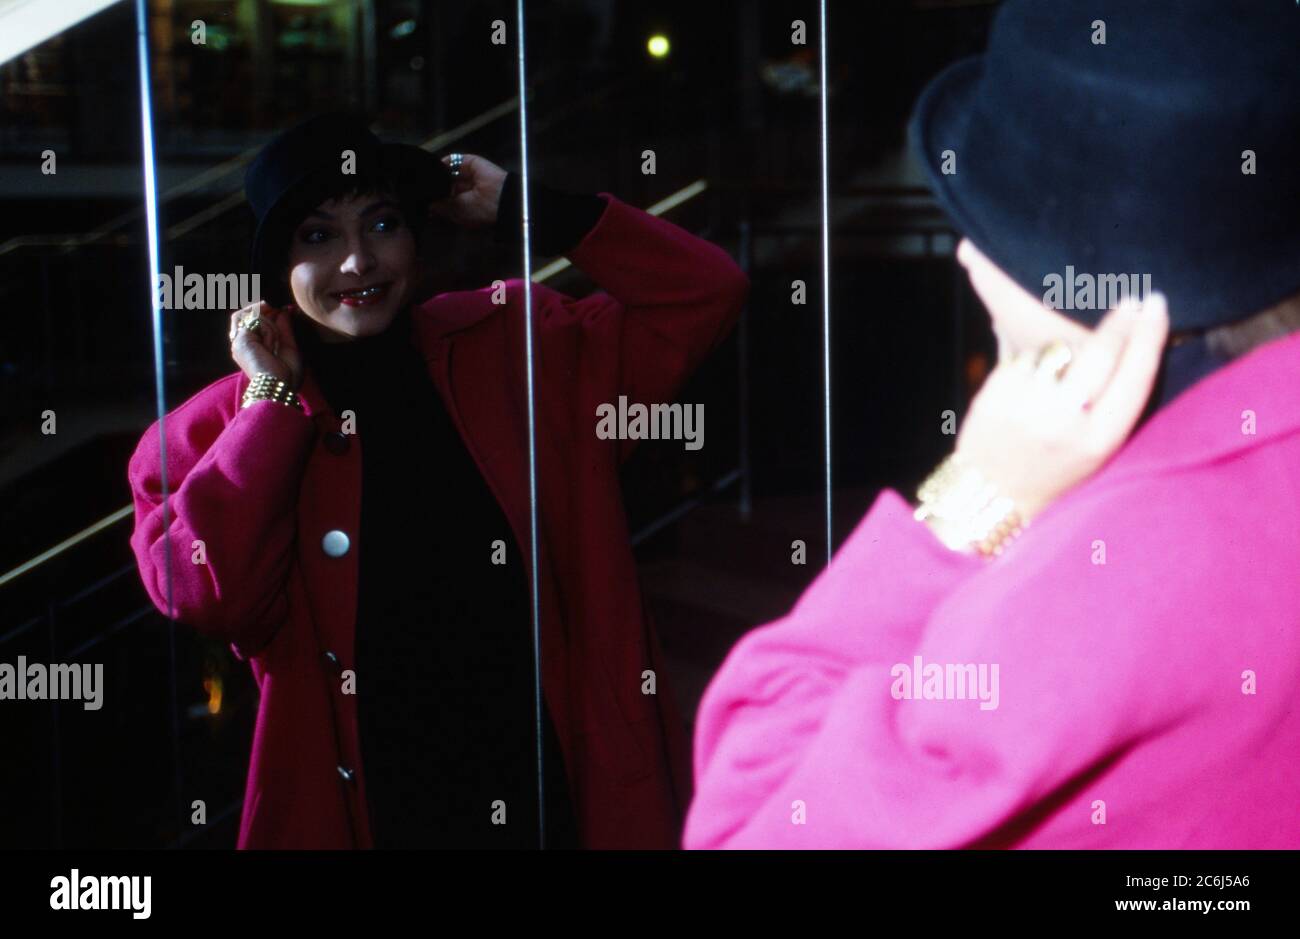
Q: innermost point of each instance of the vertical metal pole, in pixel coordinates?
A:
(434, 69)
(749, 39)
(56, 734)
(532, 428)
(151, 225)
(958, 340)
(826, 280)
(262, 43)
(369, 57)
(742, 370)
(50, 378)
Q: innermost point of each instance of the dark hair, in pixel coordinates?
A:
(1236, 339)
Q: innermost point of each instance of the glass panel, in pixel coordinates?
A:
(78, 385)
(372, 570)
(680, 430)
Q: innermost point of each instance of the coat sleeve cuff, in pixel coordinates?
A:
(560, 220)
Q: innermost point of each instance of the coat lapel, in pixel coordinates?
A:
(1242, 405)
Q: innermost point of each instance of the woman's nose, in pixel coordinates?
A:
(359, 259)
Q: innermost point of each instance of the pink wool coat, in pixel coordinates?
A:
(1150, 701)
(262, 486)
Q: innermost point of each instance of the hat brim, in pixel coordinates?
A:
(939, 122)
(989, 211)
(420, 177)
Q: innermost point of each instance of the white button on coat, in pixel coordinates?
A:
(336, 543)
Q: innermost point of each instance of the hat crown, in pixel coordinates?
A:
(1194, 68)
(303, 150)
(1158, 139)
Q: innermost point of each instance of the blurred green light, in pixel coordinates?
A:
(658, 45)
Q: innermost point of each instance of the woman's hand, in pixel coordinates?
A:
(269, 348)
(476, 193)
(1035, 437)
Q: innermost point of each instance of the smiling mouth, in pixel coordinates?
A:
(362, 295)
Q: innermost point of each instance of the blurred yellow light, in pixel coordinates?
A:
(658, 46)
(213, 687)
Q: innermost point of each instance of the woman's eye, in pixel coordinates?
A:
(314, 236)
(388, 223)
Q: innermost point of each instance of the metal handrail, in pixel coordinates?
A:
(65, 544)
(112, 630)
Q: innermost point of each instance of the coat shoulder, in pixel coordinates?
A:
(196, 421)
(461, 310)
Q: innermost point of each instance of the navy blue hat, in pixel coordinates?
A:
(302, 167)
(1127, 157)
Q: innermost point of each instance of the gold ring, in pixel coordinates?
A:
(1053, 359)
(250, 322)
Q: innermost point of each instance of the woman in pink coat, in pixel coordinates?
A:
(1086, 635)
(350, 510)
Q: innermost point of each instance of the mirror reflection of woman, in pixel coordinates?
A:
(360, 489)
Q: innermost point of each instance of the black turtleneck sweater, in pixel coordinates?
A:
(444, 656)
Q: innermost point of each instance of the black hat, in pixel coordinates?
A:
(302, 167)
(1127, 157)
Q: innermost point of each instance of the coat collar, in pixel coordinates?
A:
(450, 313)
(433, 321)
(1215, 417)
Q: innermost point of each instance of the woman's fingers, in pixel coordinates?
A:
(264, 310)
(1095, 359)
(1119, 404)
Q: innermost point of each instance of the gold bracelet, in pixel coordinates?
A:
(965, 510)
(266, 387)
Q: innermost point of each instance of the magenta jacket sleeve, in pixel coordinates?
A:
(233, 481)
(764, 718)
(668, 299)
(808, 714)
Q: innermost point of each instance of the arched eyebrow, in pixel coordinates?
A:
(371, 209)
